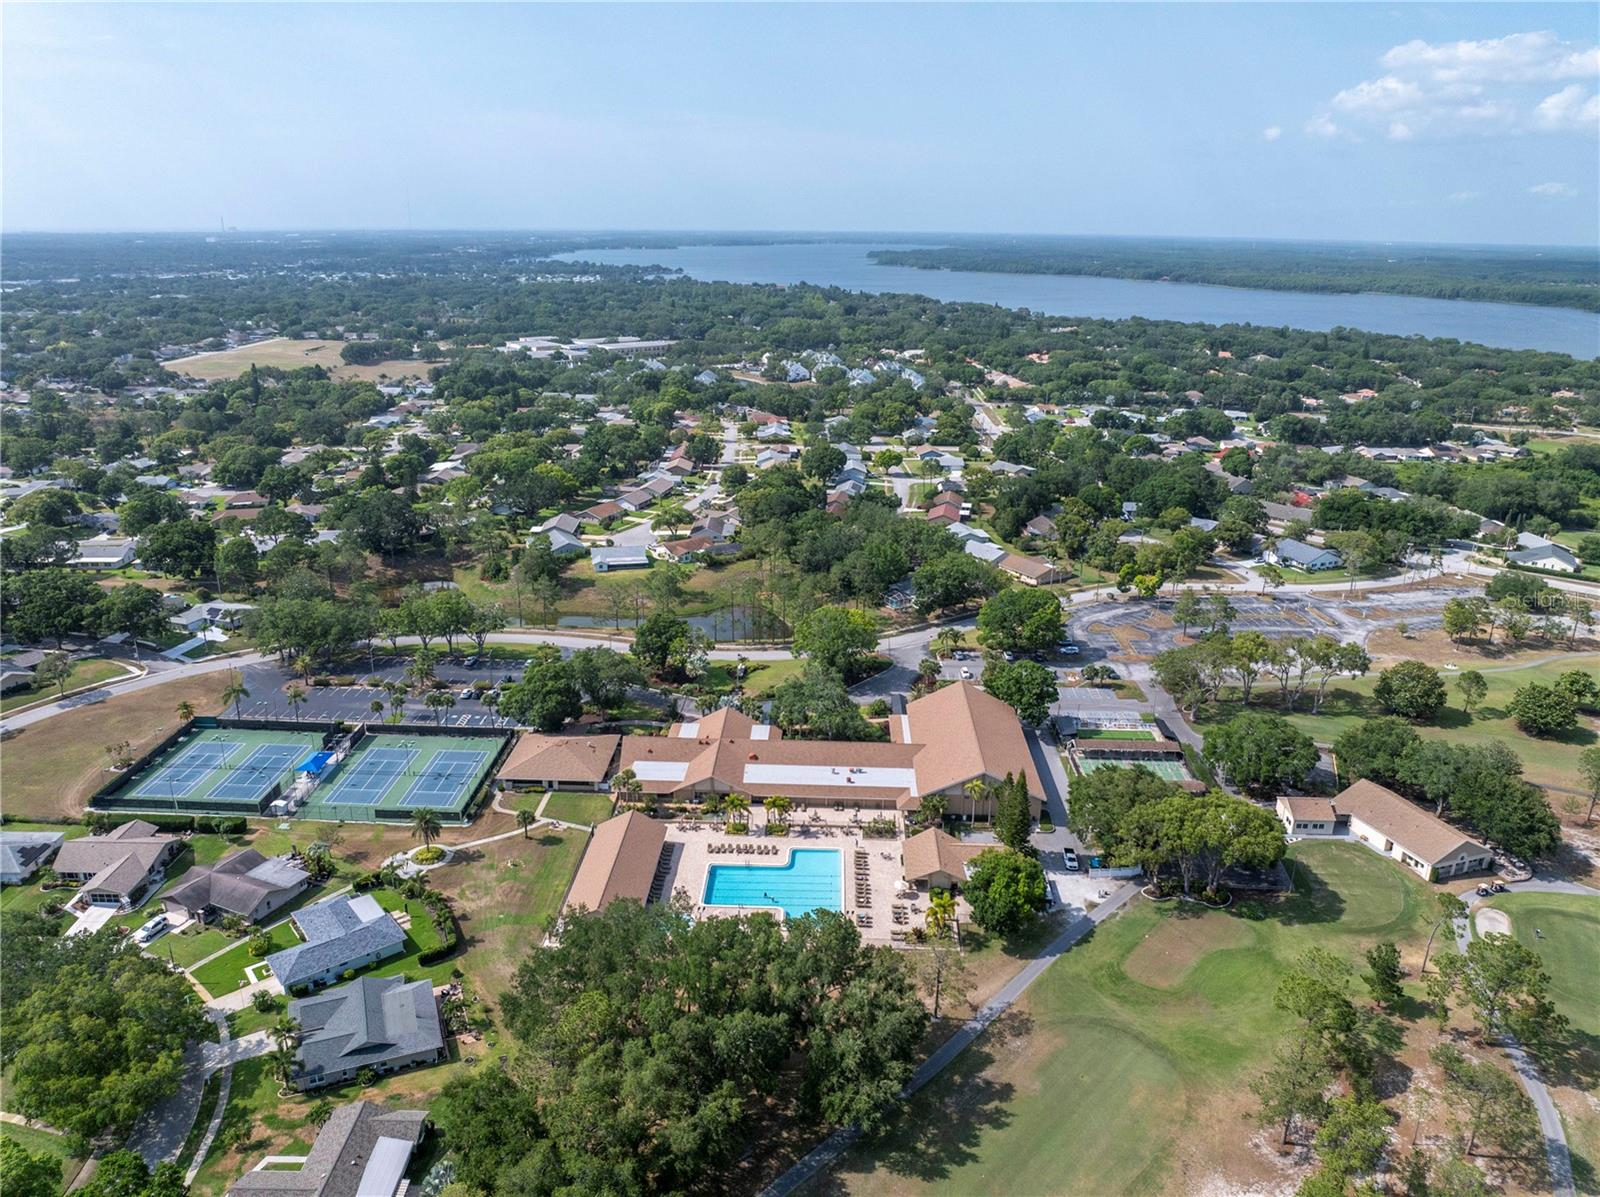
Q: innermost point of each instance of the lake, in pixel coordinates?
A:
(830, 264)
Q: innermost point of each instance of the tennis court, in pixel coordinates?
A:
(391, 774)
(223, 770)
(1171, 770)
(447, 775)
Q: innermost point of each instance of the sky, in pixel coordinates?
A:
(1475, 123)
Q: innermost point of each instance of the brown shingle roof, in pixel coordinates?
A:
(1419, 832)
(1308, 809)
(559, 758)
(936, 851)
(620, 862)
(965, 733)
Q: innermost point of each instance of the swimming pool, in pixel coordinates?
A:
(813, 877)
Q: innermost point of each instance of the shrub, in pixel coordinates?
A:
(260, 945)
(366, 1076)
(263, 1001)
(1543, 710)
(1411, 690)
(432, 854)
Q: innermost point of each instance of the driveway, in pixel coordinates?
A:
(160, 1133)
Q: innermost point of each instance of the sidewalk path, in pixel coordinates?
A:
(835, 1145)
(1558, 1155)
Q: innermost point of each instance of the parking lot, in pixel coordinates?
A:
(268, 687)
(1114, 631)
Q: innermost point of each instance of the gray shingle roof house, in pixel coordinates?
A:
(626, 556)
(1296, 554)
(363, 1150)
(120, 867)
(246, 884)
(23, 853)
(381, 1023)
(340, 933)
(1547, 556)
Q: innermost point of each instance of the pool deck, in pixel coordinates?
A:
(693, 859)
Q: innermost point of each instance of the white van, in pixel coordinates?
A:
(155, 928)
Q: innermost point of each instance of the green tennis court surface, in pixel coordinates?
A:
(224, 765)
(1113, 733)
(1171, 770)
(398, 774)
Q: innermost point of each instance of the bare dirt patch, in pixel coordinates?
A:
(51, 768)
(287, 354)
(1436, 648)
(1165, 956)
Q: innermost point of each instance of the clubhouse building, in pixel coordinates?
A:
(942, 742)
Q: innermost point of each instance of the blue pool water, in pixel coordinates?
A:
(813, 877)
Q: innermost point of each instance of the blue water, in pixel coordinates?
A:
(813, 878)
(832, 264)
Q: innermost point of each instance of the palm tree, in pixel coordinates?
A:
(941, 911)
(234, 692)
(713, 805)
(440, 701)
(185, 711)
(927, 671)
(934, 809)
(376, 707)
(948, 639)
(284, 1059)
(526, 819)
(397, 702)
(305, 665)
(294, 696)
(976, 790)
(285, 1030)
(739, 805)
(425, 826)
(625, 784)
(778, 808)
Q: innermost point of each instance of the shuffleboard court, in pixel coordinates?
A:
(184, 774)
(257, 772)
(442, 782)
(1171, 770)
(369, 778)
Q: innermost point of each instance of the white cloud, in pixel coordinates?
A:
(1271, 133)
(1516, 58)
(1573, 107)
(1553, 190)
(1497, 86)
(1321, 125)
(1463, 197)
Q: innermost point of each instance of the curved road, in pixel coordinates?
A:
(1557, 1153)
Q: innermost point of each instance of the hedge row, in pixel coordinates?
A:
(208, 824)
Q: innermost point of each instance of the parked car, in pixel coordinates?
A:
(470, 662)
(1071, 860)
(966, 673)
(1068, 649)
(156, 927)
(1009, 657)
(467, 693)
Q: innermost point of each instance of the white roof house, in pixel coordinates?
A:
(105, 552)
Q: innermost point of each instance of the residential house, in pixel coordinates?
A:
(565, 522)
(246, 884)
(105, 552)
(540, 762)
(768, 458)
(631, 556)
(377, 1025)
(944, 513)
(338, 934)
(604, 513)
(563, 544)
(120, 867)
(1536, 552)
(1041, 526)
(215, 614)
(1296, 554)
(1011, 469)
(24, 853)
(363, 1150)
(1030, 571)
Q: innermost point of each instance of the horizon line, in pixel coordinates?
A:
(770, 232)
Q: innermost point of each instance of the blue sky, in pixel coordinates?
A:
(1458, 123)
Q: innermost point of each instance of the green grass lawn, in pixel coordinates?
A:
(1565, 930)
(226, 972)
(568, 807)
(84, 673)
(1545, 761)
(1113, 733)
(1139, 1041)
(43, 1143)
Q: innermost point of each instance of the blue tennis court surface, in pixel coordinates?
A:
(370, 777)
(445, 777)
(255, 775)
(191, 767)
